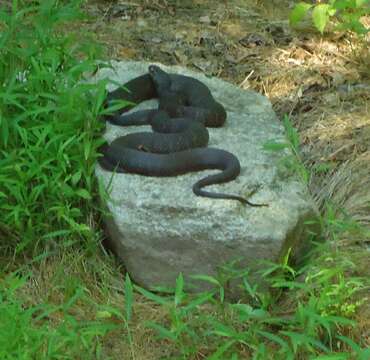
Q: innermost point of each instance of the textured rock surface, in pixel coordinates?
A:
(159, 227)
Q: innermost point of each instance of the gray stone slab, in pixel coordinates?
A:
(159, 228)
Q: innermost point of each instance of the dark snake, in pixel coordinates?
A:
(178, 143)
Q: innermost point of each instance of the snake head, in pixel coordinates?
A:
(161, 79)
(153, 69)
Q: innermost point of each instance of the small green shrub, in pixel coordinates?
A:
(290, 164)
(347, 12)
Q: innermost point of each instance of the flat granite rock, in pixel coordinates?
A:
(159, 228)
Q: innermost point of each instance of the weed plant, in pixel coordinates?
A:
(48, 126)
(347, 13)
(311, 325)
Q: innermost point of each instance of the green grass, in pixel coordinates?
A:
(29, 333)
(49, 133)
(48, 127)
(314, 323)
(309, 314)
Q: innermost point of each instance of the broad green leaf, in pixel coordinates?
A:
(320, 16)
(299, 12)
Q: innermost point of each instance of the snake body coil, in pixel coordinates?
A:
(178, 143)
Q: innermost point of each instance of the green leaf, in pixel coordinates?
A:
(84, 194)
(87, 149)
(162, 331)
(179, 292)
(206, 278)
(103, 314)
(360, 3)
(76, 177)
(114, 106)
(364, 354)
(218, 355)
(275, 146)
(340, 320)
(129, 297)
(224, 330)
(303, 339)
(291, 133)
(3, 195)
(274, 338)
(299, 12)
(338, 356)
(341, 4)
(355, 347)
(157, 299)
(4, 127)
(109, 311)
(222, 295)
(198, 301)
(320, 16)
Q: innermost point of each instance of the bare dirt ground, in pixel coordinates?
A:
(321, 82)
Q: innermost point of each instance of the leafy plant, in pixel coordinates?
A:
(347, 12)
(292, 163)
(49, 125)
